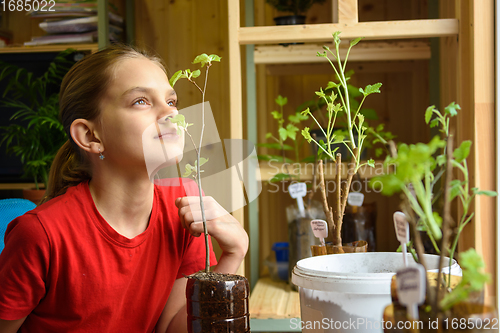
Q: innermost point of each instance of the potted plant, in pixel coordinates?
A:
(35, 133)
(296, 7)
(418, 172)
(338, 105)
(216, 302)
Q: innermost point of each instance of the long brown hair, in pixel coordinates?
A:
(81, 91)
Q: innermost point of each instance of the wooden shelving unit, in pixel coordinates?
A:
(466, 33)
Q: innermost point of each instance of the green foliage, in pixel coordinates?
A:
(473, 279)
(36, 133)
(340, 100)
(419, 167)
(193, 169)
(297, 7)
(286, 133)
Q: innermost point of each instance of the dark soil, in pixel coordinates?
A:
(212, 276)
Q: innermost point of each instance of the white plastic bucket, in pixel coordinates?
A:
(349, 292)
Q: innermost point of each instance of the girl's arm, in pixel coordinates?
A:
(174, 315)
(10, 326)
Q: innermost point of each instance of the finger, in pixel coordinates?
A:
(211, 207)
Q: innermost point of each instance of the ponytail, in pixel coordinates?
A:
(69, 168)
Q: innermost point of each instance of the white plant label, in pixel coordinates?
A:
(355, 199)
(298, 191)
(410, 282)
(320, 230)
(402, 232)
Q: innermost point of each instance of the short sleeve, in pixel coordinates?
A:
(193, 259)
(23, 267)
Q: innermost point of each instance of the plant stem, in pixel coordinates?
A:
(328, 210)
(447, 221)
(338, 212)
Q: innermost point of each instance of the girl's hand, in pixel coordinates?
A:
(221, 225)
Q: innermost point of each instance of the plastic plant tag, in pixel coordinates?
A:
(402, 232)
(320, 230)
(410, 282)
(355, 199)
(298, 191)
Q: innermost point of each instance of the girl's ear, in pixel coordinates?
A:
(82, 132)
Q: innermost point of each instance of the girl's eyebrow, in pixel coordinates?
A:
(147, 90)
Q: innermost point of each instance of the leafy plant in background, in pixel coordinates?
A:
(180, 120)
(338, 103)
(296, 7)
(417, 169)
(286, 133)
(35, 132)
(375, 135)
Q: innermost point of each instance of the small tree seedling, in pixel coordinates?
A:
(206, 62)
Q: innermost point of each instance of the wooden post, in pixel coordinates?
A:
(348, 11)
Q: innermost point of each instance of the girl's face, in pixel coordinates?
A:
(135, 114)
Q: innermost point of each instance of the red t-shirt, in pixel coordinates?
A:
(68, 270)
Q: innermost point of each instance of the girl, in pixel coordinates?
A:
(108, 250)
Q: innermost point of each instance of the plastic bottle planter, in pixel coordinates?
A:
(217, 303)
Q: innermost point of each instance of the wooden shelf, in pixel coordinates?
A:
(371, 51)
(18, 186)
(269, 169)
(49, 48)
(369, 30)
(274, 300)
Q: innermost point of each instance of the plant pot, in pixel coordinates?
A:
(350, 288)
(353, 247)
(290, 20)
(33, 195)
(217, 303)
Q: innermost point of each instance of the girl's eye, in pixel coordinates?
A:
(172, 103)
(140, 101)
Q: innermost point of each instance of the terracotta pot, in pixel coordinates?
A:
(217, 303)
(33, 195)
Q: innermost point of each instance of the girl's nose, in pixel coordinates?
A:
(170, 114)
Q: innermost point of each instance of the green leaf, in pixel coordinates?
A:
(281, 176)
(297, 118)
(476, 191)
(463, 151)
(202, 58)
(306, 112)
(306, 134)
(371, 89)
(451, 109)
(369, 114)
(332, 85)
(189, 169)
(214, 57)
(355, 41)
(283, 133)
(428, 114)
(455, 188)
(371, 163)
(441, 160)
(177, 75)
(269, 135)
(379, 152)
(281, 101)
(434, 123)
(292, 131)
(276, 115)
(195, 74)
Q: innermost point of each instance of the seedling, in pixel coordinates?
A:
(206, 62)
(338, 103)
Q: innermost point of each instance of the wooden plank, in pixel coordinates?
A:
(484, 136)
(274, 300)
(369, 30)
(378, 51)
(49, 48)
(348, 11)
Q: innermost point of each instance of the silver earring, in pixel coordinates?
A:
(101, 156)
